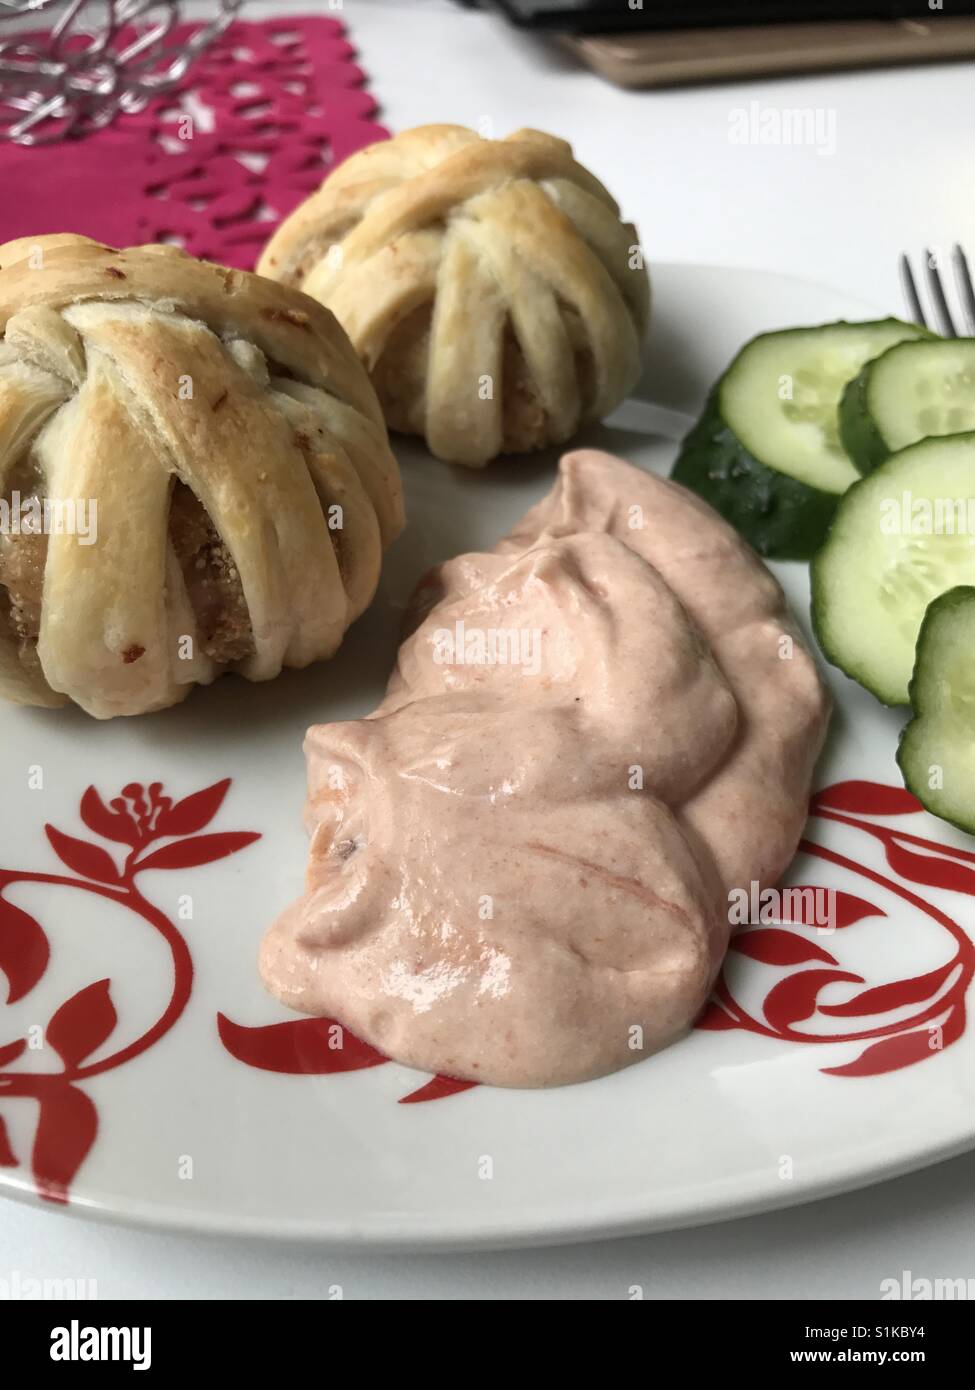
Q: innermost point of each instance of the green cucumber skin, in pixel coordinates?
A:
(958, 597)
(859, 435)
(780, 517)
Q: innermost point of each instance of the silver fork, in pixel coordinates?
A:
(944, 322)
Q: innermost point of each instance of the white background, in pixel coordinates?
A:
(900, 178)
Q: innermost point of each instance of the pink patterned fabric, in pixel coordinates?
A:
(282, 103)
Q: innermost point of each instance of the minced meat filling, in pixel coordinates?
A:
(22, 558)
(212, 580)
(22, 574)
(400, 376)
(211, 577)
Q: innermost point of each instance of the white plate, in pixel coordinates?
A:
(182, 1133)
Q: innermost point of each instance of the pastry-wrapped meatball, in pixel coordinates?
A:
(489, 286)
(195, 476)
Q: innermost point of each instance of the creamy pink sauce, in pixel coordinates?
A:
(520, 872)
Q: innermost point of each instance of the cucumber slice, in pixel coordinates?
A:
(900, 537)
(911, 392)
(766, 453)
(938, 745)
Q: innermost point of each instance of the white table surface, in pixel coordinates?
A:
(898, 179)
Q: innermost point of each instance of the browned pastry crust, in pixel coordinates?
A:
(235, 451)
(489, 286)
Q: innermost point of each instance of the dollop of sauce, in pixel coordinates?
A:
(521, 862)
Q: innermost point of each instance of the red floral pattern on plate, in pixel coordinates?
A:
(138, 819)
(318, 1047)
(936, 997)
(156, 833)
(302, 1045)
(148, 830)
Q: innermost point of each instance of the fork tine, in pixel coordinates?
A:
(942, 312)
(963, 279)
(910, 293)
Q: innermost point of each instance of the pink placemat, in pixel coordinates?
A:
(255, 126)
